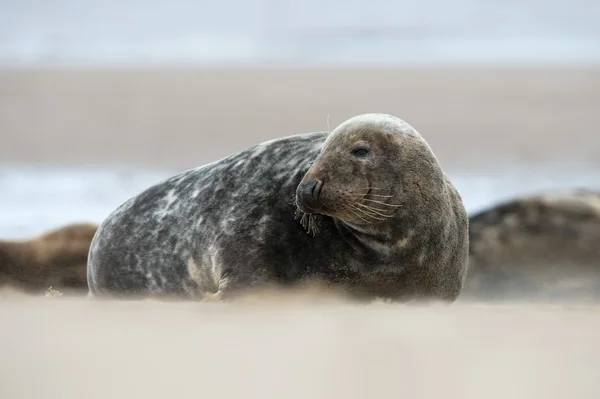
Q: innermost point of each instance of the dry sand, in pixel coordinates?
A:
(473, 118)
(67, 348)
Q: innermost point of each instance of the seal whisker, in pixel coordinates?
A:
(374, 195)
(383, 203)
(310, 222)
(359, 197)
(371, 209)
(366, 213)
(347, 208)
(376, 214)
(356, 214)
(367, 221)
(377, 211)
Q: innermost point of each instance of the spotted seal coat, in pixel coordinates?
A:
(541, 246)
(366, 207)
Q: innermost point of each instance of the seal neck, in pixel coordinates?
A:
(364, 239)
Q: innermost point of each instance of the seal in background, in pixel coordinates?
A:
(57, 258)
(536, 247)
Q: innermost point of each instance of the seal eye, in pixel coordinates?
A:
(360, 152)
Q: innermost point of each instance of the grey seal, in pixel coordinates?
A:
(56, 258)
(541, 246)
(366, 207)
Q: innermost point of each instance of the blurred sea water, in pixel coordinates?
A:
(36, 198)
(319, 32)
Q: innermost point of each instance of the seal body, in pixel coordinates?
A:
(57, 258)
(538, 247)
(382, 221)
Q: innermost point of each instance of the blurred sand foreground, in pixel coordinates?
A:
(295, 347)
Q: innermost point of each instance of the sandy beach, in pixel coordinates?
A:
(181, 118)
(476, 120)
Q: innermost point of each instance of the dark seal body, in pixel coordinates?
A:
(233, 224)
(538, 247)
(57, 259)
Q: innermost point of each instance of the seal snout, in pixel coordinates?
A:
(308, 193)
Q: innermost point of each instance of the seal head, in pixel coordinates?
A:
(378, 178)
(358, 175)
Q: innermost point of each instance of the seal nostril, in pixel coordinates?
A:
(316, 190)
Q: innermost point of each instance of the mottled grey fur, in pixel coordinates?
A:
(235, 223)
(538, 247)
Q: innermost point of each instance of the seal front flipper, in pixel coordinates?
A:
(235, 286)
